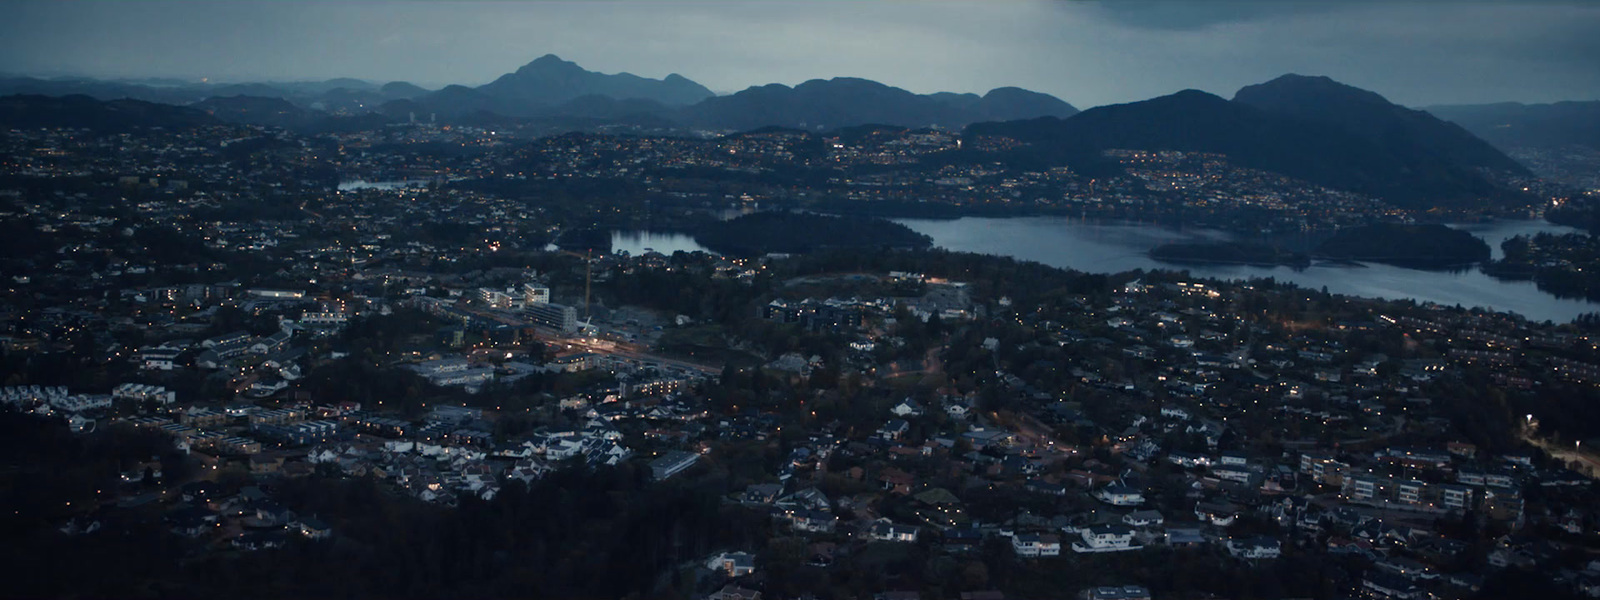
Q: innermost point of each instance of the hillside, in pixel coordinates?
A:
(33, 111)
(1395, 167)
(1515, 125)
(1410, 133)
(846, 101)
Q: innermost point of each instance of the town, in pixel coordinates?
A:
(232, 364)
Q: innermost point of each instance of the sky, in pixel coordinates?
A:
(1089, 53)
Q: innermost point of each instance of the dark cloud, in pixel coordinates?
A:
(1088, 53)
(1201, 14)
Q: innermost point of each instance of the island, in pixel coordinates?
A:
(1431, 246)
(1563, 265)
(799, 233)
(1232, 253)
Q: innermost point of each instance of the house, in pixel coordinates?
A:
(1362, 488)
(1034, 545)
(1221, 515)
(1143, 518)
(884, 530)
(1185, 537)
(984, 438)
(762, 493)
(1386, 585)
(1119, 495)
(1041, 486)
(159, 358)
(1407, 568)
(734, 564)
(1255, 547)
(227, 339)
(1117, 592)
(894, 429)
(907, 408)
(314, 528)
(276, 342)
(1232, 473)
(138, 392)
(1188, 459)
(897, 481)
(1105, 538)
(734, 592)
(959, 540)
(672, 463)
(1363, 548)
(257, 540)
(812, 521)
(809, 498)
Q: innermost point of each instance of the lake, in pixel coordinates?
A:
(382, 185)
(640, 242)
(1112, 247)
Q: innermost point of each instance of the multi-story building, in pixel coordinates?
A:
(672, 463)
(549, 315)
(533, 293)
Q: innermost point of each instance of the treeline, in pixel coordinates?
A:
(1555, 262)
(1417, 246)
(798, 233)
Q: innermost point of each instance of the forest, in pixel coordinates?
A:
(798, 233)
(1419, 246)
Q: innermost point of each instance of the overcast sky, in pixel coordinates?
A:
(1087, 53)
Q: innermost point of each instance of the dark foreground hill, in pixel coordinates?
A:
(1401, 162)
(76, 111)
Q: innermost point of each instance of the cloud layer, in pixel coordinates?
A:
(1088, 53)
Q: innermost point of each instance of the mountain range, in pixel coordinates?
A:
(1312, 128)
(1516, 125)
(550, 88)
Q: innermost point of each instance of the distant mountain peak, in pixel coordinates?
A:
(550, 81)
(549, 60)
(1294, 86)
(1372, 116)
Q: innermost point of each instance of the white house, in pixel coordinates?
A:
(1105, 538)
(1033, 545)
(1256, 547)
(159, 358)
(80, 402)
(889, 532)
(907, 408)
(139, 392)
(1119, 495)
(735, 564)
(1188, 459)
(1143, 518)
(1234, 459)
(814, 521)
(1231, 473)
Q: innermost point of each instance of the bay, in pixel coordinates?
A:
(1112, 247)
